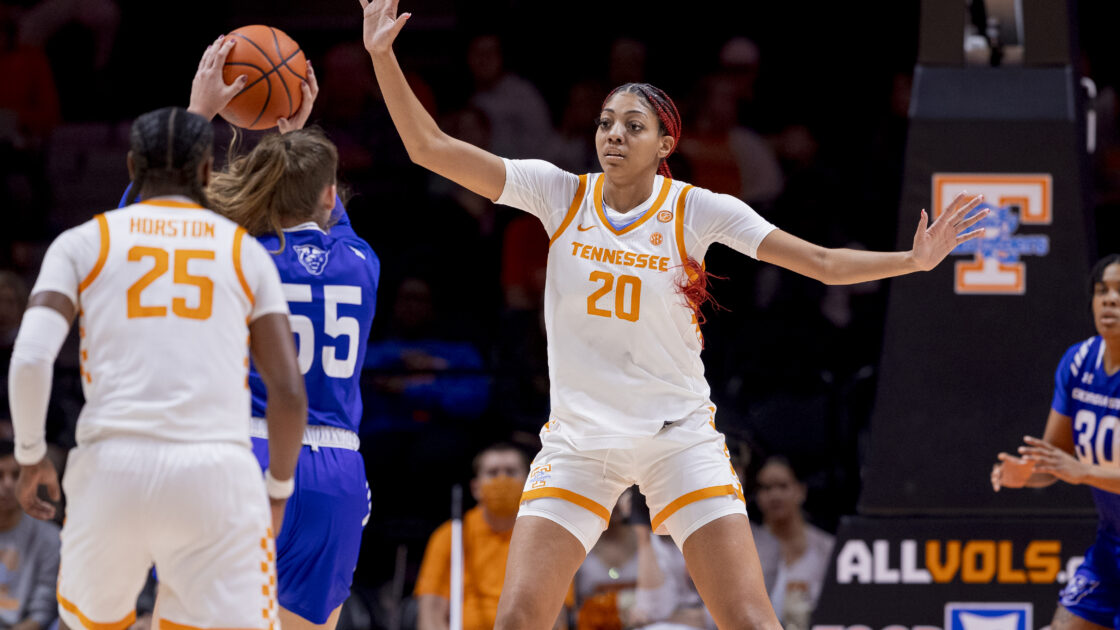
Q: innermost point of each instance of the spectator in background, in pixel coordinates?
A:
(421, 374)
(739, 59)
(28, 557)
(794, 554)
(573, 149)
(29, 112)
(521, 126)
(499, 474)
(724, 156)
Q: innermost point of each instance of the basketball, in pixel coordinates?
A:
(275, 66)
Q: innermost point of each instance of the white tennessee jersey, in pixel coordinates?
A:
(623, 342)
(165, 291)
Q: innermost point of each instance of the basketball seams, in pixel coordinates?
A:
(254, 36)
(280, 54)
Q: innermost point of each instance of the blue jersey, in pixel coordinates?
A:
(1085, 392)
(330, 282)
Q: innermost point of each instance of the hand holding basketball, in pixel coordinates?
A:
(933, 243)
(209, 92)
(381, 24)
(310, 91)
(276, 70)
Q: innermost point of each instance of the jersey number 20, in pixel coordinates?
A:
(333, 325)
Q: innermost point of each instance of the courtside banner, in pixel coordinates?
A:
(950, 574)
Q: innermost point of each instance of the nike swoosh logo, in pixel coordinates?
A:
(584, 229)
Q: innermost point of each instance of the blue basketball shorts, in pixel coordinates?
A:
(1094, 591)
(317, 550)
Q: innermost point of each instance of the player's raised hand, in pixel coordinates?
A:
(1048, 458)
(30, 478)
(310, 89)
(1011, 472)
(933, 243)
(381, 24)
(209, 92)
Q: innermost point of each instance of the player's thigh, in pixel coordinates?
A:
(687, 479)
(734, 592)
(543, 559)
(292, 621)
(107, 488)
(217, 564)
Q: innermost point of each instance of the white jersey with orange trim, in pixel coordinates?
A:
(623, 343)
(166, 291)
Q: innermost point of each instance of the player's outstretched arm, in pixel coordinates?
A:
(932, 243)
(274, 354)
(465, 164)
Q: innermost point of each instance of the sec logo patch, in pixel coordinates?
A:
(665, 216)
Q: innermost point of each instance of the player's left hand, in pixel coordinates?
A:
(30, 478)
(209, 92)
(1050, 459)
(933, 243)
(310, 89)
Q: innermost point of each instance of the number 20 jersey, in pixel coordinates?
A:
(330, 282)
(1091, 397)
(623, 342)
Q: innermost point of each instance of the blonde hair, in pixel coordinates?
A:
(283, 177)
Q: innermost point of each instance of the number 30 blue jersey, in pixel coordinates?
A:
(1085, 392)
(330, 282)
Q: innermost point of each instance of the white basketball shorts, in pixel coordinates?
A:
(684, 471)
(198, 512)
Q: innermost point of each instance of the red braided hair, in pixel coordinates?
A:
(694, 285)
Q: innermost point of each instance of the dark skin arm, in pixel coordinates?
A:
(43, 473)
(274, 354)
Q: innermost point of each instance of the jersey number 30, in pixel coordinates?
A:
(1094, 447)
(333, 325)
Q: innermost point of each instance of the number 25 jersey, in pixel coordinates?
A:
(1091, 397)
(166, 291)
(623, 342)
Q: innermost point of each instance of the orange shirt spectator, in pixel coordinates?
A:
(484, 568)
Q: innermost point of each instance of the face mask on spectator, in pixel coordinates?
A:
(501, 496)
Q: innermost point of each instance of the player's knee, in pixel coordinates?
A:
(521, 609)
(742, 615)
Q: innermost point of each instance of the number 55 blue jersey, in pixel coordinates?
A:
(330, 282)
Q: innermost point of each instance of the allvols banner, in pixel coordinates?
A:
(951, 574)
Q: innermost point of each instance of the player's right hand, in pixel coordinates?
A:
(1011, 472)
(209, 92)
(30, 478)
(381, 24)
(277, 506)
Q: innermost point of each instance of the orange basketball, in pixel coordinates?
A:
(275, 66)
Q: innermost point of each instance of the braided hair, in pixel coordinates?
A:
(167, 146)
(694, 285)
(660, 103)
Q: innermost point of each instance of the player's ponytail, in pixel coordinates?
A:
(167, 146)
(283, 177)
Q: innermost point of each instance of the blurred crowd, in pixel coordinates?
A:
(457, 357)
